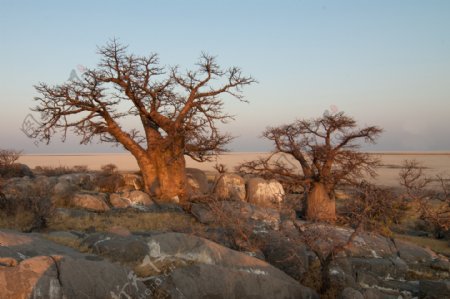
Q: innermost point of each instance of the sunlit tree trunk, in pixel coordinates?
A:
(319, 205)
(171, 172)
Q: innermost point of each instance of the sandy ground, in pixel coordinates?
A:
(436, 163)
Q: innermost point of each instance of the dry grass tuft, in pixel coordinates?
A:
(69, 242)
(129, 219)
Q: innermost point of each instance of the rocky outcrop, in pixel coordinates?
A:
(194, 267)
(264, 193)
(230, 186)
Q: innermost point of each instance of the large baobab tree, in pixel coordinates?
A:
(178, 112)
(326, 150)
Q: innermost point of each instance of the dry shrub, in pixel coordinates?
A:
(132, 220)
(109, 180)
(9, 157)
(238, 231)
(8, 166)
(60, 170)
(109, 169)
(27, 210)
(376, 208)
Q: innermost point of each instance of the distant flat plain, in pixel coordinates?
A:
(435, 162)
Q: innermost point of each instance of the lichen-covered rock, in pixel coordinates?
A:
(33, 267)
(264, 193)
(230, 186)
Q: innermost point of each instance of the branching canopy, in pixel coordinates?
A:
(325, 148)
(169, 103)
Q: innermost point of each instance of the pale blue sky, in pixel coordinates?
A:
(383, 62)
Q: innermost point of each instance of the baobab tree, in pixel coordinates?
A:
(326, 149)
(178, 112)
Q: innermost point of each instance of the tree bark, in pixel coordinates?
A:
(171, 175)
(319, 205)
(147, 166)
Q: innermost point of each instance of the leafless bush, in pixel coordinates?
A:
(8, 166)
(9, 157)
(109, 169)
(374, 207)
(239, 230)
(318, 242)
(431, 194)
(221, 168)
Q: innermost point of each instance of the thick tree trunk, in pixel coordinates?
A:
(319, 205)
(163, 170)
(147, 166)
(171, 175)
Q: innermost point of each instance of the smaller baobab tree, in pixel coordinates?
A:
(327, 149)
(177, 112)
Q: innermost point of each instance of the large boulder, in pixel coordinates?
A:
(81, 180)
(264, 193)
(230, 186)
(197, 182)
(90, 201)
(130, 199)
(63, 191)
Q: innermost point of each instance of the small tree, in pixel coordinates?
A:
(327, 150)
(8, 166)
(431, 195)
(178, 113)
(9, 157)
